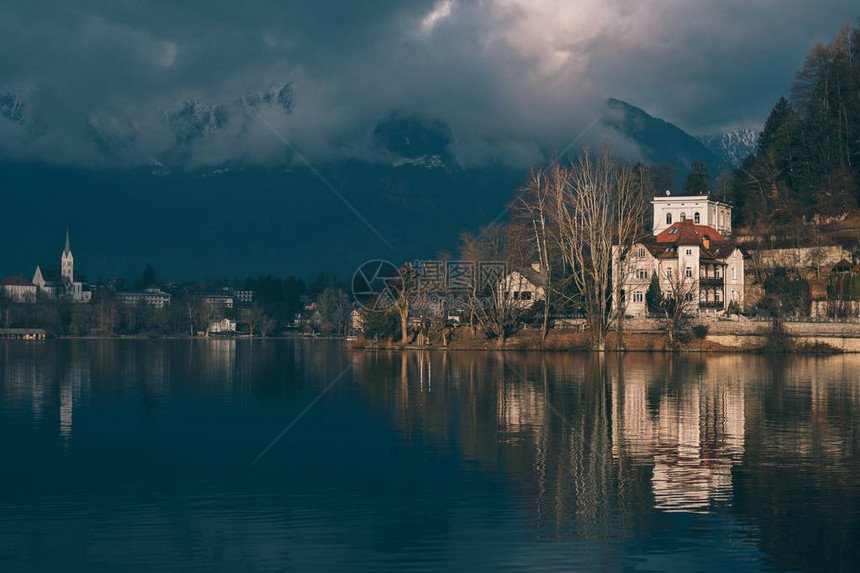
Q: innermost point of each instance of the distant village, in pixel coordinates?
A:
(59, 301)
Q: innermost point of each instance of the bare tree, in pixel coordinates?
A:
(678, 305)
(404, 290)
(333, 309)
(630, 205)
(495, 252)
(595, 203)
(535, 204)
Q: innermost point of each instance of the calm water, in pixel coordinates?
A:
(137, 456)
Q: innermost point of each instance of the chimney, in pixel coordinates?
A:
(706, 241)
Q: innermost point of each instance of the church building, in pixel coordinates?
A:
(62, 280)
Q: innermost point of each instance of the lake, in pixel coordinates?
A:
(282, 455)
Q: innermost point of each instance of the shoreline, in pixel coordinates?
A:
(643, 342)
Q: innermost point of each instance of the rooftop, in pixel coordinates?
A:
(688, 233)
(17, 280)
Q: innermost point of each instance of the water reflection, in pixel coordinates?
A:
(691, 431)
(592, 445)
(630, 455)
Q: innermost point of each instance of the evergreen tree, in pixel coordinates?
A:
(654, 296)
(808, 156)
(698, 181)
(148, 277)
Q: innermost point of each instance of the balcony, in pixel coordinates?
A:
(711, 281)
(711, 304)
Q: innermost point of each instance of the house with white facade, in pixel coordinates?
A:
(18, 289)
(524, 286)
(684, 254)
(62, 281)
(223, 326)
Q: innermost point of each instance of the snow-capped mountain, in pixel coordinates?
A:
(733, 145)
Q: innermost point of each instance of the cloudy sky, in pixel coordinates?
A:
(98, 84)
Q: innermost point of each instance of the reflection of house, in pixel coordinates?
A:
(18, 289)
(62, 280)
(524, 286)
(152, 296)
(688, 256)
(223, 326)
(693, 435)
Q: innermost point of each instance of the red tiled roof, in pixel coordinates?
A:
(688, 233)
(665, 244)
(16, 281)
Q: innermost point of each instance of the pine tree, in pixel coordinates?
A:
(654, 296)
(698, 181)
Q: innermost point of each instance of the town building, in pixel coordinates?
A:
(62, 281)
(694, 259)
(152, 296)
(23, 333)
(18, 289)
(243, 296)
(221, 299)
(223, 326)
(523, 286)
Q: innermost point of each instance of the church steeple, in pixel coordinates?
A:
(68, 261)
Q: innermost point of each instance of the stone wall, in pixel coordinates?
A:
(800, 257)
(835, 308)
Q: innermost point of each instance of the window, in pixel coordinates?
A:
(642, 273)
(641, 253)
(734, 274)
(688, 297)
(696, 218)
(668, 218)
(638, 296)
(525, 295)
(717, 272)
(669, 273)
(674, 231)
(683, 216)
(689, 272)
(689, 252)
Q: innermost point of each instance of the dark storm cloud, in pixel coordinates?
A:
(132, 82)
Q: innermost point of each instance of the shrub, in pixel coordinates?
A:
(700, 331)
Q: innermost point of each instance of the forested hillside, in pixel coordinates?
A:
(807, 162)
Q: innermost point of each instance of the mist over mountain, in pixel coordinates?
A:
(238, 218)
(658, 141)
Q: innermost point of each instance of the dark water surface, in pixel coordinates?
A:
(137, 456)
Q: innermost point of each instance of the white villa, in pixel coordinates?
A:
(689, 250)
(61, 281)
